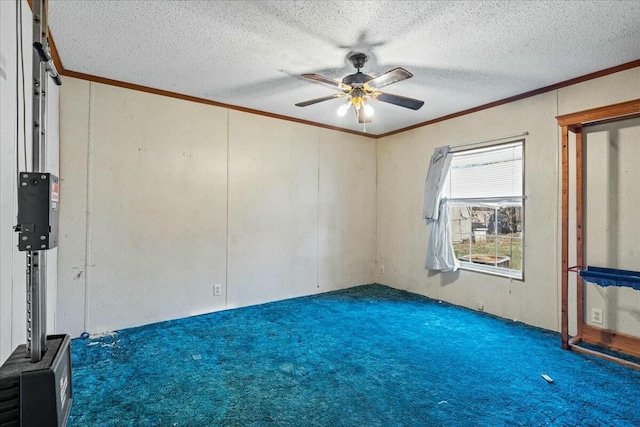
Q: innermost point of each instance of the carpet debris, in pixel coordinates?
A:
(548, 378)
(103, 334)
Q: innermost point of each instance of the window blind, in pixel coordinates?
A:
(492, 172)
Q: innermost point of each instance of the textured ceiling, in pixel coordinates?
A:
(250, 54)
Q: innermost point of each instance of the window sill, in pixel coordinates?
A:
(494, 271)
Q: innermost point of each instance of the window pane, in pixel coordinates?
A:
(508, 221)
(461, 245)
(488, 236)
(511, 248)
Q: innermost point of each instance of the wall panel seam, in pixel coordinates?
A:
(318, 141)
(557, 221)
(226, 255)
(375, 233)
(88, 210)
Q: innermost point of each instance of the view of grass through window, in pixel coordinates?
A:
(488, 236)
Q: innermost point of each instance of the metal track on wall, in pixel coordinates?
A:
(36, 260)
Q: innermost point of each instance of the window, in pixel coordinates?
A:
(484, 191)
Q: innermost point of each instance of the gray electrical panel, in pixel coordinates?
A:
(38, 204)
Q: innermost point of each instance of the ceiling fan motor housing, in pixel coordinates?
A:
(357, 79)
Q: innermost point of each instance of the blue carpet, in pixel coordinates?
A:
(366, 356)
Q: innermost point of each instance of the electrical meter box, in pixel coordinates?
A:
(38, 204)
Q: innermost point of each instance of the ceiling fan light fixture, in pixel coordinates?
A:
(358, 101)
(368, 110)
(342, 110)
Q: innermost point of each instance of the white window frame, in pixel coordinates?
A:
(493, 202)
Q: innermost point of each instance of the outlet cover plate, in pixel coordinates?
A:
(597, 315)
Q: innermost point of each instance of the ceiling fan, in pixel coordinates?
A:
(361, 88)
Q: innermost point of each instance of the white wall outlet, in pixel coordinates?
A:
(217, 290)
(382, 269)
(597, 315)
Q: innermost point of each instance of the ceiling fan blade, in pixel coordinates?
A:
(362, 117)
(326, 80)
(316, 100)
(393, 76)
(402, 101)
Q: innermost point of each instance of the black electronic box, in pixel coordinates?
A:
(38, 203)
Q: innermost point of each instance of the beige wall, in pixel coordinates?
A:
(164, 199)
(402, 235)
(301, 210)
